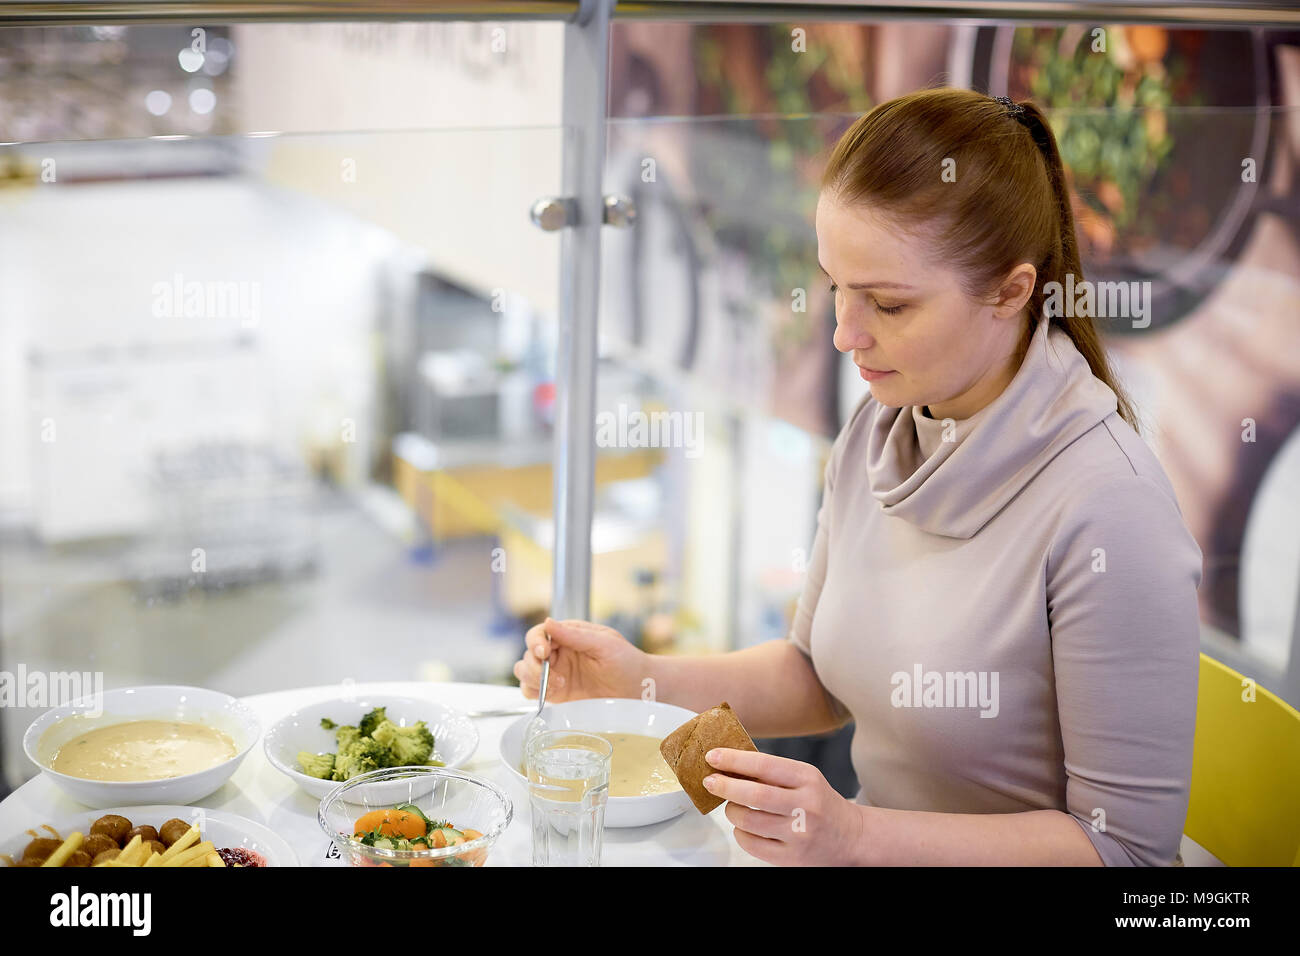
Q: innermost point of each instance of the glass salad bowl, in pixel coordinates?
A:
(415, 816)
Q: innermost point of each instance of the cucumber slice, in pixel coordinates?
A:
(412, 808)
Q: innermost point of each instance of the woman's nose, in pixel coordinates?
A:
(851, 335)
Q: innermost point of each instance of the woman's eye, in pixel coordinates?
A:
(891, 310)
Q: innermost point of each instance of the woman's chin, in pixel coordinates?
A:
(886, 394)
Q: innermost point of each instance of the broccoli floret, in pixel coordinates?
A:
(407, 746)
(327, 724)
(361, 755)
(359, 760)
(371, 721)
(346, 736)
(320, 766)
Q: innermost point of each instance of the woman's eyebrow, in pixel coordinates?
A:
(862, 286)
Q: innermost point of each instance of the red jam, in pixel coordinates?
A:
(238, 856)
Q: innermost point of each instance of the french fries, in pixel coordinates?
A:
(189, 839)
(186, 851)
(198, 852)
(133, 853)
(65, 850)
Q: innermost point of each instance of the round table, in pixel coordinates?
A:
(263, 794)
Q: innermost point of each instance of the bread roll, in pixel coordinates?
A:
(685, 747)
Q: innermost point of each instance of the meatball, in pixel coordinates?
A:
(155, 846)
(97, 843)
(113, 826)
(106, 855)
(78, 858)
(145, 832)
(173, 830)
(41, 848)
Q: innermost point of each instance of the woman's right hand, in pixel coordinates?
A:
(587, 660)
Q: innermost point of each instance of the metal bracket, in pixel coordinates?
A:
(556, 212)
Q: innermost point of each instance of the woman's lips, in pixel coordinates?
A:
(871, 375)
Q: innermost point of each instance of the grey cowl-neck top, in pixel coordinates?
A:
(1006, 607)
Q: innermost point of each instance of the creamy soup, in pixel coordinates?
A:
(143, 750)
(636, 767)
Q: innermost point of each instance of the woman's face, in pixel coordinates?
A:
(912, 331)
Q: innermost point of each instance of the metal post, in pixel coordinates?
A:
(586, 72)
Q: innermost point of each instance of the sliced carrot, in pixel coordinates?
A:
(391, 823)
(471, 834)
(438, 840)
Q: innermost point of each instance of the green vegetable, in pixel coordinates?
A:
(371, 721)
(450, 832)
(412, 808)
(376, 742)
(360, 756)
(320, 766)
(407, 746)
(346, 736)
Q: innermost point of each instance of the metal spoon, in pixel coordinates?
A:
(537, 725)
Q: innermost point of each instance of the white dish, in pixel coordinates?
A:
(223, 829)
(59, 725)
(455, 737)
(609, 715)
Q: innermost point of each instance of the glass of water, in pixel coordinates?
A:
(568, 785)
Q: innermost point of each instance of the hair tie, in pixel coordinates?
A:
(1013, 109)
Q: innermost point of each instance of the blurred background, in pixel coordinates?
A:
(278, 337)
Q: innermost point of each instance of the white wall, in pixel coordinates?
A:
(453, 130)
(78, 285)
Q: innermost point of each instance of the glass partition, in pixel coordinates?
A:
(278, 385)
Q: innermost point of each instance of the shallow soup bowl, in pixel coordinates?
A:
(609, 715)
(210, 708)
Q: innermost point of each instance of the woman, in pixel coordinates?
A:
(1002, 592)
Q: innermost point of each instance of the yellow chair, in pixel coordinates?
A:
(1245, 793)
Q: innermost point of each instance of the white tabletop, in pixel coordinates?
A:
(263, 794)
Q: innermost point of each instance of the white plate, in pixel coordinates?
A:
(455, 737)
(609, 715)
(59, 725)
(223, 829)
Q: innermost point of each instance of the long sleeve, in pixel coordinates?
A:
(1121, 590)
(815, 574)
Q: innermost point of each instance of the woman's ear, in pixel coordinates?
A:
(1015, 291)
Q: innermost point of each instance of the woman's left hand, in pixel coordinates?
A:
(785, 812)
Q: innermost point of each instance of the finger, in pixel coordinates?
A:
(761, 848)
(773, 826)
(528, 687)
(778, 771)
(528, 669)
(751, 793)
(536, 640)
(578, 635)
